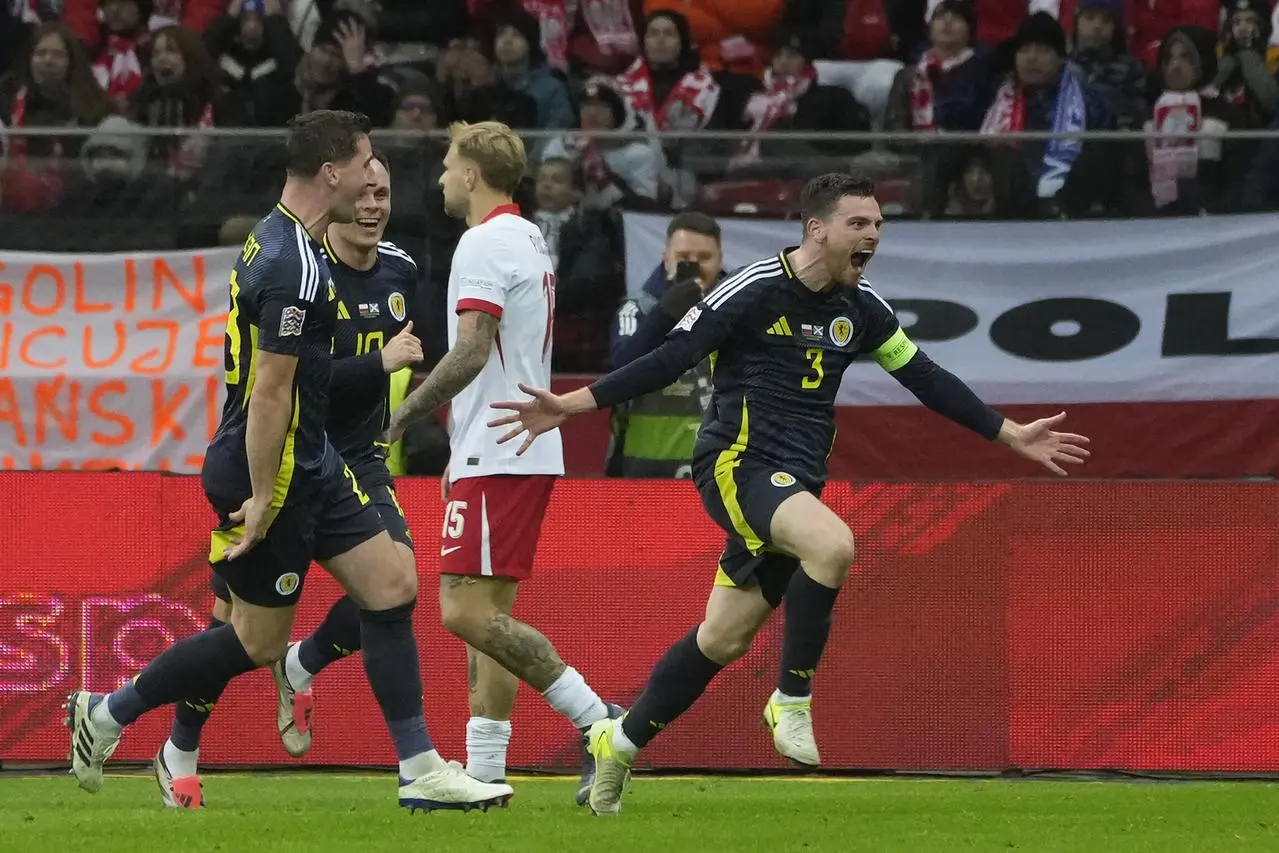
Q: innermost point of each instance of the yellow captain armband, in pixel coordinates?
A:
(895, 352)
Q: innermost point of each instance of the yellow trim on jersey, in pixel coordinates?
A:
(781, 256)
(722, 578)
(725, 466)
(343, 314)
(288, 461)
(396, 459)
(280, 207)
(714, 357)
(893, 353)
(233, 332)
(252, 374)
(781, 327)
(221, 540)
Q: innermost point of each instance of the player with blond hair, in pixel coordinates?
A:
(502, 293)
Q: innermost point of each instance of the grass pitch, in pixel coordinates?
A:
(345, 812)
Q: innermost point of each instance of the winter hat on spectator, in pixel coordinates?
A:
(526, 25)
(1040, 28)
(798, 41)
(1200, 42)
(113, 134)
(344, 11)
(600, 90)
(410, 83)
(145, 8)
(963, 9)
(254, 7)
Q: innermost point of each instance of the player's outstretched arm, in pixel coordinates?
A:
(544, 411)
(947, 395)
(476, 331)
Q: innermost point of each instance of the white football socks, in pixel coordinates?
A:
(299, 678)
(421, 764)
(572, 697)
(180, 763)
(101, 717)
(622, 743)
(486, 742)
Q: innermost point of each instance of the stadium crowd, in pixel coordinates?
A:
(140, 81)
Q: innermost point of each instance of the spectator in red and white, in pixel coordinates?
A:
(625, 170)
(1101, 53)
(862, 43)
(180, 90)
(949, 87)
(124, 47)
(732, 35)
(522, 66)
(51, 86)
(579, 37)
(792, 99)
(668, 87)
(1061, 176)
(1242, 75)
(474, 91)
(335, 74)
(257, 56)
(85, 16)
(1149, 20)
(1190, 175)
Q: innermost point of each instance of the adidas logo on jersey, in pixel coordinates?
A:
(781, 327)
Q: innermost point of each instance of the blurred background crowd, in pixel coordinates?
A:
(147, 124)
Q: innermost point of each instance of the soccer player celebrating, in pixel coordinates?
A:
(282, 493)
(781, 333)
(374, 282)
(502, 289)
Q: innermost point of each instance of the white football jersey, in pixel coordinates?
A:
(503, 268)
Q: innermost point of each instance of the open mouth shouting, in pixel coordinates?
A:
(861, 257)
(368, 224)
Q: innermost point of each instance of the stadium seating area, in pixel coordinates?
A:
(153, 124)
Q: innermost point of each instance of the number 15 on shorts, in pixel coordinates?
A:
(454, 526)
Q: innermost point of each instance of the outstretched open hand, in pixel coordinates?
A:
(1038, 442)
(542, 412)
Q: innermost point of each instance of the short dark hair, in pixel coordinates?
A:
(380, 156)
(575, 176)
(698, 223)
(323, 136)
(821, 195)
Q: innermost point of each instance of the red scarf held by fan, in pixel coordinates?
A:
(608, 20)
(687, 107)
(1174, 159)
(923, 82)
(779, 100)
(23, 188)
(119, 70)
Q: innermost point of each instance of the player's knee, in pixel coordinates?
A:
(459, 615)
(724, 644)
(263, 647)
(830, 558)
(397, 586)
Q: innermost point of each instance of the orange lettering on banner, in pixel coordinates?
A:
(10, 411)
(96, 407)
(212, 335)
(139, 366)
(195, 461)
(34, 276)
(6, 294)
(6, 339)
(130, 285)
(104, 465)
(24, 350)
(82, 305)
(162, 415)
(120, 341)
(162, 272)
(47, 394)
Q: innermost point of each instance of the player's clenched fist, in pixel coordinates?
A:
(402, 350)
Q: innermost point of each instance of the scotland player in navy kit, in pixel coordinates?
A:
(780, 333)
(372, 341)
(283, 495)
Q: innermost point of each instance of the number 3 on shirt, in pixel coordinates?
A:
(814, 379)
